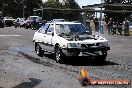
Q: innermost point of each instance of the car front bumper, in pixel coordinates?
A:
(92, 49)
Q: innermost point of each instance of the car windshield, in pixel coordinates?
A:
(33, 18)
(71, 29)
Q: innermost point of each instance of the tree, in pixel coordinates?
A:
(72, 15)
(15, 7)
(66, 4)
(30, 5)
(117, 16)
(5, 4)
(52, 14)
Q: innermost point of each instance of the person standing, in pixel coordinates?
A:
(114, 27)
(101, 28)
(96, 23)
(110, 26)
(120, 28)
(126, 27)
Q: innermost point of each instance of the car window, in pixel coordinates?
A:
(59, 28)
(50, 29)
(43, 29)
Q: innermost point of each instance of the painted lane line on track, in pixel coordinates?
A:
(9, 35)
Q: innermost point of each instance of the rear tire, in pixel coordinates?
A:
(39, 50)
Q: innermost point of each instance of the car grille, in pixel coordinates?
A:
(89, 45)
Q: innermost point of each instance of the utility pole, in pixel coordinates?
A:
(23, 9)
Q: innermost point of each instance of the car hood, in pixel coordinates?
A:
(91, 39)
(83, 37)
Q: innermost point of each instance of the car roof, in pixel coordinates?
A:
(9, 19)
(58, 19)
(64, 23)
(33, 16)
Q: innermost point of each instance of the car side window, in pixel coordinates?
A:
(43, 29)
(66, 29)
(58, 29)
(50, 29)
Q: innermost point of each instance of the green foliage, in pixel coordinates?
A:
(68, 4)
(30, 5)
(117, 16)
(15, 7)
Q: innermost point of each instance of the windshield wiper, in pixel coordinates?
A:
(85, 32)
(64, 34)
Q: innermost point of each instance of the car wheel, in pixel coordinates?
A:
(58, 54)
(101, 58)
(38, 50)
(75, 53)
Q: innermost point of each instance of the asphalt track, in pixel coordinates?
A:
(20, 67)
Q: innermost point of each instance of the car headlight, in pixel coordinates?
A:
(73, 45)
(103, 44)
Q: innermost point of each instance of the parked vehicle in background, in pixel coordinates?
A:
(36, 18)
(34, 22)
(19, 22)
(27, 24)
(59, 20)
(8, 21)
(69, 39)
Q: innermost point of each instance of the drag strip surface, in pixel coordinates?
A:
(20, 67)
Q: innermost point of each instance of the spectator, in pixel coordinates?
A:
(120, 28)
(110, 26)
(96, 23)
(33, 24)
(114, 27)
(126, 27)
(101, 28)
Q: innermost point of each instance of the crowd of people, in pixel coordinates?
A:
(112, 27)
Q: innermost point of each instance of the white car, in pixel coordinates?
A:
(69, 39)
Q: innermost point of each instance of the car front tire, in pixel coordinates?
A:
(101, 58)
(58, 54)
(39, 50)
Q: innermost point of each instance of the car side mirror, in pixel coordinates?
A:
(45, 31)
(53, 34)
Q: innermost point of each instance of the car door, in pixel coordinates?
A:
(48, 38)
(42, 35)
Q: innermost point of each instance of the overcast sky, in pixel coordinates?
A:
(86, 2)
